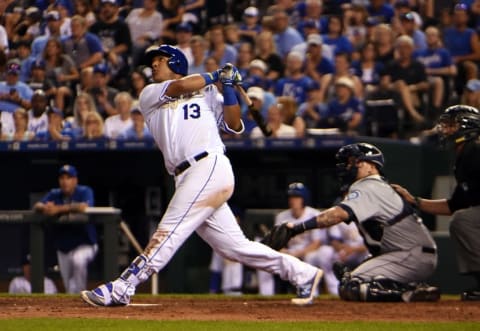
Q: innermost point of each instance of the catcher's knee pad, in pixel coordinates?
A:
(379, 289)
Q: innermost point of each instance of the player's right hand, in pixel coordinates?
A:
(229, 75)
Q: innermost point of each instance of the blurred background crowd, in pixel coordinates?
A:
(73, 69)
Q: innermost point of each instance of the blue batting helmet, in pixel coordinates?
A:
(298, 189)
(177, 62)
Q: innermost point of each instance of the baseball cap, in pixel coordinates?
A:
(184, 27)
(461, 6)
(13, 67)
(296, 55)
(473, 85)
(68, 170)
(257, 63)
(251, 11)
(314, 39)
(30, 11)
(101, 68)
(39, 64)
(345, 81)
(256, 93)
(113, 2)
(52, 15)
(407, 17)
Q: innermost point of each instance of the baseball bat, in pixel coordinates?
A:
(257, 116)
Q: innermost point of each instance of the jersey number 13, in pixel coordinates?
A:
(191, 111)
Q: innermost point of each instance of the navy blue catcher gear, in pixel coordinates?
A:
(467, 122)
(299, 190)
(177, 62)
(349, 155)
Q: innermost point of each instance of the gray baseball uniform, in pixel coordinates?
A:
(402, 246)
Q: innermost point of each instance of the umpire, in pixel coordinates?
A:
(459, 126)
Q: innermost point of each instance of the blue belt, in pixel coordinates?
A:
(185, 164)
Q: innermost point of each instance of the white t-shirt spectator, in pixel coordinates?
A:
(115, 126)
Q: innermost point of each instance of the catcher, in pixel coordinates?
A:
(403, 253)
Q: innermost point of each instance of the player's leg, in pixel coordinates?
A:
(199, 191)
(223, 233)
(65, 266)
(81, 256)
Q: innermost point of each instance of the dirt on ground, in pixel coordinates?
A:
(239, 309)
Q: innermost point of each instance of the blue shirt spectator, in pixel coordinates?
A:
(294, 87)
(285, 36)
(381, 10)
(13, 92)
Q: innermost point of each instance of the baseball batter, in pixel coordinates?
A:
(404, 252)
(184, 113)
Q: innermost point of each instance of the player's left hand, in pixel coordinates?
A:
(229, 75)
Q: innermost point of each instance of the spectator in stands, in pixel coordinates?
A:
(313, 16)
(317, 65)
(83, 8)
(381, 10)
(262, 100)
(61, 69)
(172, 12)
(40, 81)
(65, 17)
(275, 122)
(409, 27)
(183, 35)
(438, 66)
(250, 28)
(82, 105)
(245, 56)
(117, 124)
(342, 69)
(115, 38)
(138, 130)
(6, 123)
(24, 58)
(295, 82)
(198, 46)
(93, 127)
(311, 110)
(83, 47)
(192, 12)
(22, 285)
(3, 39)
(345, 111)
(355, 19)
(139, 78)
(52, 31)
(383, 38)
(20, 123)
(102, 93)
(14, 93)
(289, 108)
(367, 68)
(267, 52)
(462, 42)
(335, 38)
(218, 48)
(471, 94)
(37, 115)
(144, 25)
(76, 244)
(408, 77)
(286, 37)
(86, 81)
(58, 130)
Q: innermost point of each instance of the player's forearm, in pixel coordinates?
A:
(191, 83)
(325, 219)
(436, 207)
(231, 109)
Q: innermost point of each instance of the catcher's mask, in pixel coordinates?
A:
(348, 157)
(458, 124)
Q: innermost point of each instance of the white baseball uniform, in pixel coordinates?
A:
(184, 128)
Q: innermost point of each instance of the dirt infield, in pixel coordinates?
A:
(240, 309)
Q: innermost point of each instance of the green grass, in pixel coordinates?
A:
(141, 325)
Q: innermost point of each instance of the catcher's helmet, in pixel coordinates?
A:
(465, 118)
(298, 189)
(177, 62)
(346, 170)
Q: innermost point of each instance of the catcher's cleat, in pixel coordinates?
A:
(101, 296)
(422, 293)
(470, 295)
(306, 293)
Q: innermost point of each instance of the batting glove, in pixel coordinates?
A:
(230, 75)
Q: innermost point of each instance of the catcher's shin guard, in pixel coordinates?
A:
(379, 289)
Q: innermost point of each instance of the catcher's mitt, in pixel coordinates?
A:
(278, 237)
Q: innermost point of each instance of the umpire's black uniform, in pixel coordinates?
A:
(465, 206)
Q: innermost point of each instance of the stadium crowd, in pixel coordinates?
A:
(72, 69)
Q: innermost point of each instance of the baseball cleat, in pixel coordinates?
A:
(306, 293)
(470, 295)
(100, 297)
(422, 294)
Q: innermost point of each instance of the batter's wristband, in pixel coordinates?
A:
(229, 97)
(210, 77)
